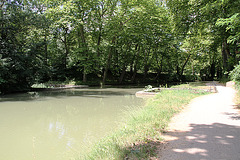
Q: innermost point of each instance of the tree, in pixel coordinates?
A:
(17, 50)
(199, 18)
(232, 24)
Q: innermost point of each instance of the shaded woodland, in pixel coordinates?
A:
(116, 41)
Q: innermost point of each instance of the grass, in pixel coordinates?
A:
(141, 135)
(52, 84)
(193, 85)
(237, 98)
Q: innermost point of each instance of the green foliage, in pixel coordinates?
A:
(232, 24)
(204, 29)
(235, 73)
(21, 57)
(114, 40)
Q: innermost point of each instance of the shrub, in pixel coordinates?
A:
(235, 73)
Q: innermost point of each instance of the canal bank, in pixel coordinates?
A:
(140, 136)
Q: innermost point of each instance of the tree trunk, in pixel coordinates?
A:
(133, 59)
(85, 50)
(146, 59)
(84, 75)
(131, 66)
(107, 66)
(135, 64)
(146, 69)
(99, 41)
(225, 49)
(185, 63)
(108, 61)
(122, 74)
(224, 56)
(125, 63)
(66, 48)
(46, 49)
(159, 70)
(212, 70)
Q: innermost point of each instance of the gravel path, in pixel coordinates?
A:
(209, 128)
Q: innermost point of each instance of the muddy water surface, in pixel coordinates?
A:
(60, 125)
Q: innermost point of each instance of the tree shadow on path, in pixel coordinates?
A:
(216, 141)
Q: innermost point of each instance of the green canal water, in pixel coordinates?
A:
(60, 125)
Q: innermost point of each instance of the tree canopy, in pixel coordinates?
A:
(116, 41)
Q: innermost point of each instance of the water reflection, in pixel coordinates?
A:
(96, 93)
(60, 124)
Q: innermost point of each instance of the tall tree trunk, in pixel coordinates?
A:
(159, 70)
(46, 48)
(146, 60)
(122, 74)
(125, 63)
(224, 56)
(133, 59)
(84, 75)
(185, 63)
(212, 70)
(135, 63)
(85, 50)
(225, 48)
(131, 66)
(65, 42)
(108, 61)
(107, 66)
(99, 41)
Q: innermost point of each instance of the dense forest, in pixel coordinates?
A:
(116, 41)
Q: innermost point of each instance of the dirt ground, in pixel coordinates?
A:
(209, 128)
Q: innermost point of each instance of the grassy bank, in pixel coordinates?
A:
(237, 98)
(140, 136)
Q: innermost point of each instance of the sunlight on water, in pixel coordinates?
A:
(60, 125)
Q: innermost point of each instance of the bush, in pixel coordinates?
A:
(235, 73)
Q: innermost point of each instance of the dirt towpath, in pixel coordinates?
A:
(209, 128)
